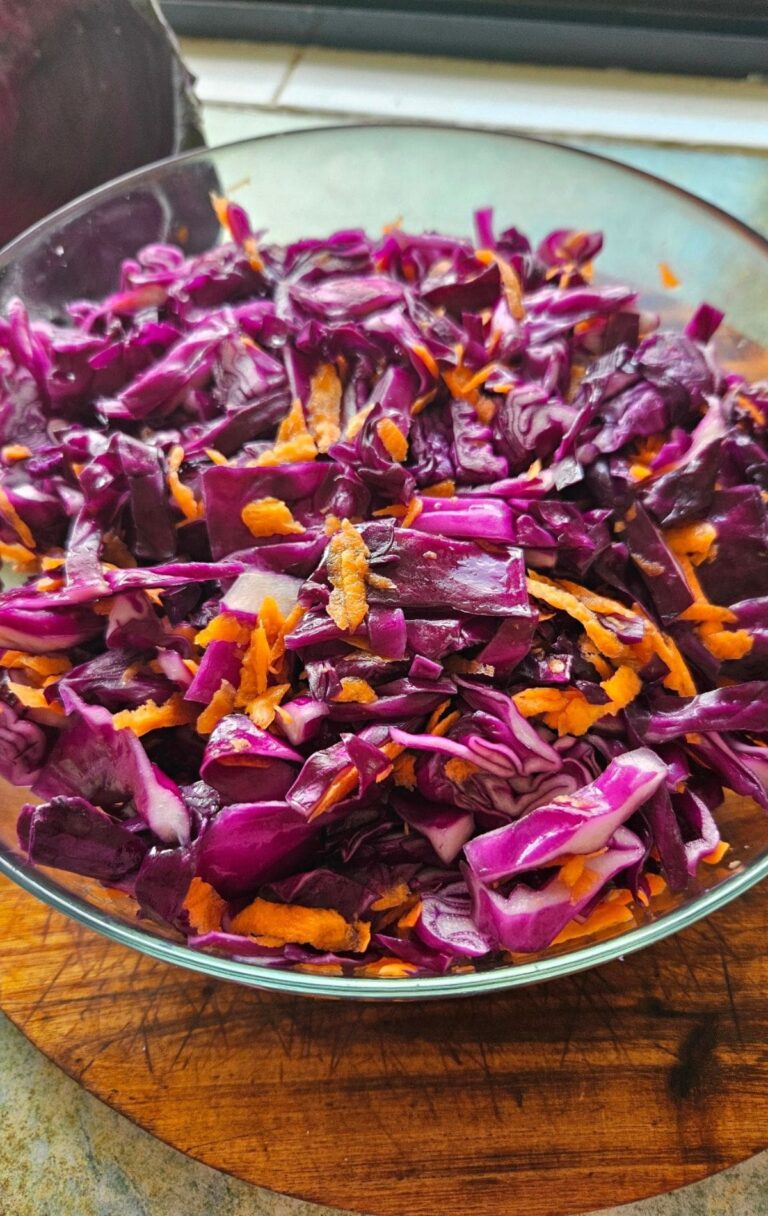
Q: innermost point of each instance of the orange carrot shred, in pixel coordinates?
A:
(33, 698)
(404, 771)
(387, 968)
(347, 571)
(605, 916)
(215, 456)
(15, 451)
(254, 673)
(204, 906)
(336, 790)
(410, 918)
(290, 451)
(263, 709)
(696, 541)
(17, 555)
(668, 277)
(567, 710)
(441, 489)
(357, 422)
(355, 689)
(393, 897)
(38, 664)
(226, 627)
(182, 495)
(427, 358)
(150, 716)
(14, 520)
(459, 770)
(393, 439)
(322, 928)
(324, 407)
(717, 854)
(222, 703)
(270, 517)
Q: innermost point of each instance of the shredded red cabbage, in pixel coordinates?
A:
(392, 605)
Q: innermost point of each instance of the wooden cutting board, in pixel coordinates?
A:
(608, 1086)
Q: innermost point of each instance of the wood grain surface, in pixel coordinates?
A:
(611, 1085)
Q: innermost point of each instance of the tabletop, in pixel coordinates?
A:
(62, 1152)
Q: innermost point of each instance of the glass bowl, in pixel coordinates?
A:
(309, 183)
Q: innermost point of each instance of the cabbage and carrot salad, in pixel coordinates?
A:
(392, 603)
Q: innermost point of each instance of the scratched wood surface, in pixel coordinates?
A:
(559, 1099)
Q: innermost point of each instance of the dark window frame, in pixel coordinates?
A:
(707, 37)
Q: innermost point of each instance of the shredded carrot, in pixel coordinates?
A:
(225, 627)
(322, 928)
(393, 439)
(513, 292)
(277, 648)
(357, 421)
(722, 643)
(270, 517)
(215, 456)
(696, 541)
(393, 897)
(271, 619)
(583, 608)
(222, 703)
(387, 968)
(459, 770)
(33, 698)
(656, 884)
(668, 277)
(701, 612)
(727, 644)
(717, 854)
(347, 571)
(569, 712)
(18, 556)
(485, 408)
(592, 655)
(606, 915)
(293, 424)
(404, 771)
(324, 407)
(38, 664)
(435, 716)
(181, 494)
(292, 451)
(254, 673)
(427, 358)
(380, 583)
(355, 689)
(15, 451)
(204, 907)
(422, 402)
(336, 790)
(150, 716)
(464, 384)
(415, 508)
(345, 781)
(441, 489)
(319, 968)
(410, 918)
(249, 245)
(395, 510)
(678, 678)
(14, 520)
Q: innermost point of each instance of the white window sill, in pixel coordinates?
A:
(573, 102)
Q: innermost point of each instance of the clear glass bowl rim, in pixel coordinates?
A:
(496, 979)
